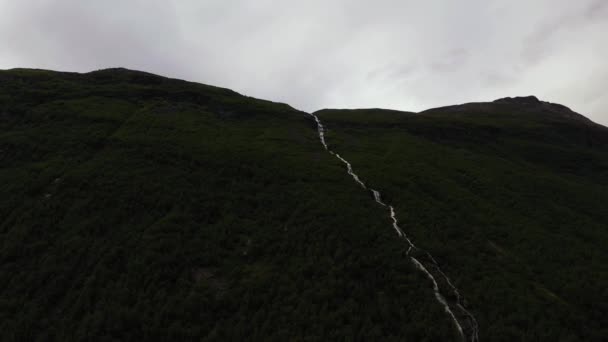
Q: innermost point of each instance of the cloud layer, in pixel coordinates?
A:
(399, 54)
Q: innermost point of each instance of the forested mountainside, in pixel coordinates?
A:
(508, 196)
(137, 207)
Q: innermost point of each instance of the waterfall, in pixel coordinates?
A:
(464, 321)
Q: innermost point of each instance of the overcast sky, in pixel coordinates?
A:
(399, 54)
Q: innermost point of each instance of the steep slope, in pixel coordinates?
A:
(136, 207)
(446, 293)
(139, 207)
(507, 196)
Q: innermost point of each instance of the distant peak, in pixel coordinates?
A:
(114, 69)
(119, 70)
(530, 105)
(519, 100)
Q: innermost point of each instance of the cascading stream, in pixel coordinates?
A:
(463, 320)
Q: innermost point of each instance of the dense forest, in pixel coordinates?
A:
(508, 196)
(138, 207)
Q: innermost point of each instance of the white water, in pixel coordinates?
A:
(349, 169)
(411, 247)
(438, 295)
(377, 198)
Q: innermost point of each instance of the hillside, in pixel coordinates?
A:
(509, 196)
(141, 207)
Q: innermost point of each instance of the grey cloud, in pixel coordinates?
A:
(598, 9)
(451, 61)
(497, 79)
(391, 72)
(400, 54)
(541, 42)
(72, 35)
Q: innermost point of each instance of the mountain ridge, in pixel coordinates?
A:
(528, 103)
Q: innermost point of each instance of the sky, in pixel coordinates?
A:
(398, 54)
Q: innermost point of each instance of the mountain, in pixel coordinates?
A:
(139, 207)
(508, 196)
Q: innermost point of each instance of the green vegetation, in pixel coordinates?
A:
(137, 207)
(509, 198)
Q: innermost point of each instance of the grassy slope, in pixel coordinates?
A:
(510, 200)
(138, 207)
